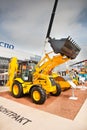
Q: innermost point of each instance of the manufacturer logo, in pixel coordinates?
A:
(6, 45)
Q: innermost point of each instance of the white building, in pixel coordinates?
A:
(21, 55)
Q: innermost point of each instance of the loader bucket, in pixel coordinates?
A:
(65, 46)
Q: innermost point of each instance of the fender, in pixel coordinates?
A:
(19, 80)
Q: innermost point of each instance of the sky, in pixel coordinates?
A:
(24, 23)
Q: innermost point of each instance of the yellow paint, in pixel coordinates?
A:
(12, 71)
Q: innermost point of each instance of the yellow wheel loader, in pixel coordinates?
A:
(37, 79)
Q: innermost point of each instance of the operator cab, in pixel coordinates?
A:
(26, 69)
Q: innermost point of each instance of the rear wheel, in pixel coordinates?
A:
(17, 90)
(38, 95)
(57, 92)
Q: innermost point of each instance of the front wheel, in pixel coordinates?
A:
(38, 95)
(57, 92)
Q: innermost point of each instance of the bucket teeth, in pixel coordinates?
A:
(65, 46)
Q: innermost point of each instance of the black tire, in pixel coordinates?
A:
(38, 95)
(17, 90)
(58, 91)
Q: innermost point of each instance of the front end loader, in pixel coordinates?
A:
(65, 50)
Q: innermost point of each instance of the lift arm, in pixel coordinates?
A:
(65, 50)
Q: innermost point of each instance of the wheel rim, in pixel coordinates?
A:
(36, 95)
(15, 90)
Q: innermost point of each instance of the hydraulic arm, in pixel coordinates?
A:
(65, 50)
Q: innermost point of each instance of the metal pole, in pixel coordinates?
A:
(51, 19)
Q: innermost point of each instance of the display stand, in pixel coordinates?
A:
(73, 97)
